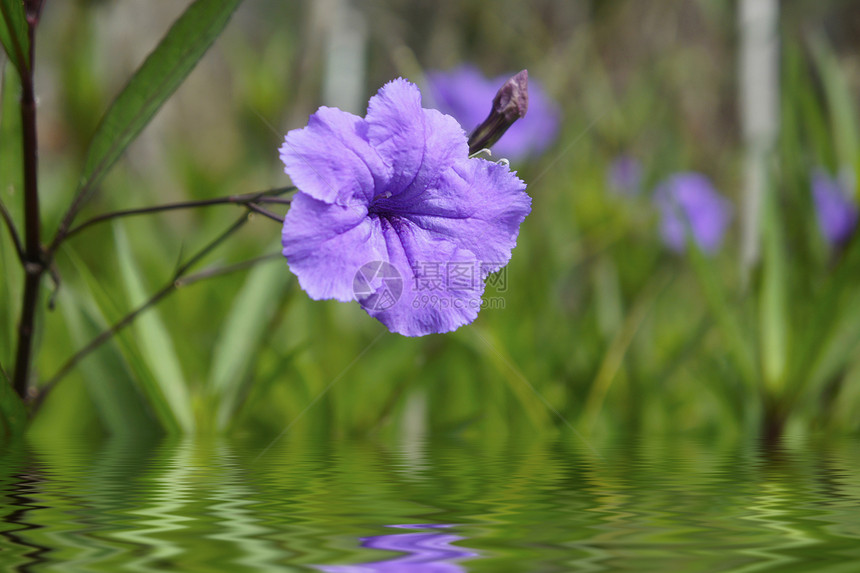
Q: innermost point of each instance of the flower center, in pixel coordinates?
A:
(381, 206)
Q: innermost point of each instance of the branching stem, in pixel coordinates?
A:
(13, 231)
(175, 282)
(33, 263)
(271, 195)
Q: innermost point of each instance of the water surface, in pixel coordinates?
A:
(435, 506)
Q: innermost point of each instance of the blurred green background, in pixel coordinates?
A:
(604, 331)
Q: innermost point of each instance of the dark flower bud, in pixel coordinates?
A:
(34, 11)
(510, 104)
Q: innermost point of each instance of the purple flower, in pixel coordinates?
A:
(467, 95)
(391, 211)
(624, 175)
(688, 201)
(836, 210)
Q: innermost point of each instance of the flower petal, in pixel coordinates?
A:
(326, 244)
(688, 201)
(441, 289)
(331, 159)
(464, 93)
(836, 212)
(416, 143)
(392, 213)
(478, 205)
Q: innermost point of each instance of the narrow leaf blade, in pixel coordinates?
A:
(773, 307)
(843, 118)
(102, 303)
(155, 343)
(242, 333)
(119, 405)
(153, 83)
(13, 33)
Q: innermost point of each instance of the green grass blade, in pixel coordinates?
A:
(10, 270)
(773, 306)
(108, 381)
(838, 349)
(102, 298)
(241, 335)
(840, 103)
(156, 79)
(155, 343)
(814, 357)
(11, 150)
(10, 173)
(846, 404)
(13, 33)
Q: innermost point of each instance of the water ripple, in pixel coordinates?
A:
(452, 506)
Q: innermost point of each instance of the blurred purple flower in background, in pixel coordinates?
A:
(466, 94)
(394, 194)
(689, 201)
(835, 207)
(624, 175)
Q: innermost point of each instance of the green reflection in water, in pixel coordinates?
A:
(214, 505)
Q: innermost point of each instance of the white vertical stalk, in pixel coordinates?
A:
(346, 38)
(759, 106)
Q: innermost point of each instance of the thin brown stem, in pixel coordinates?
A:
(33, 261)
(225, 270)
(174, 283)
(32, 222)
(13, 231)
(264, 212)
(263, 196)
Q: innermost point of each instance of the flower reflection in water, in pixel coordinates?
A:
(425, 552)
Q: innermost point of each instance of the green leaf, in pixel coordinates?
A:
(847, 402)
(243, 330)
(155, 343)
(838, 349)
(831, 306)
(12, 409)
(773, 305)
(101, 302)
(13, 33)
(10, 180)
(11, 149)
(11, 273)
(108, 380)
(840, 103)
(153, 83)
